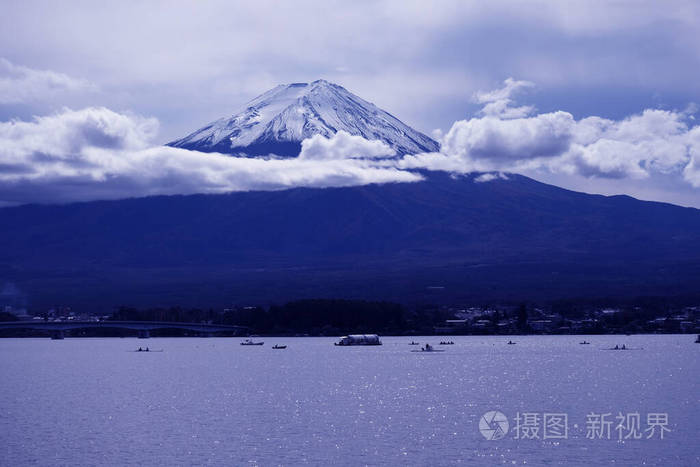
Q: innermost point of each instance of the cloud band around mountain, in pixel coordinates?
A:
(96, 153)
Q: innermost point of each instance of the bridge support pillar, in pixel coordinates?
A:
(144, 333)
(57, 334)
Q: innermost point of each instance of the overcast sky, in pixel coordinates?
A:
(171, 67)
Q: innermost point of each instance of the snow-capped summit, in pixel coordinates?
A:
(277, 121)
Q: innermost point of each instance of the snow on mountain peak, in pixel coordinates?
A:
(277, 121)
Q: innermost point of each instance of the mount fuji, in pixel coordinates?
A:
(446, 239)
(277, 121)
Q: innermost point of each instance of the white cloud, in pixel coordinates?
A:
(490, 176)
(343, 145)
(96, 153)
(23, 84)
(492, 138)
(499, 102)
(654, 139)
(602, 158)
(691, 173)
(440, 161)
(636, 147)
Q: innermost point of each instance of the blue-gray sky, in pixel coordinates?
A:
(183, 64)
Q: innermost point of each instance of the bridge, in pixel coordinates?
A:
(144, 328)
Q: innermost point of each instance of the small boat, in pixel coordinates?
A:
(584, 343)
(427, 348)
(447, 343)
(413, 343)
(145, 350)
(251, 342)
(279, 347)
(511, 343)
(624, 347)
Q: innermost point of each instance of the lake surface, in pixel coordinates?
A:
(211, 401)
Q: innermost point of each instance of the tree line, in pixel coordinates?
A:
(312, 316)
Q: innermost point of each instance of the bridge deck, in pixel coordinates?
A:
(133, 325)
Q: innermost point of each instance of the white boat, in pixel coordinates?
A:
(359, 339)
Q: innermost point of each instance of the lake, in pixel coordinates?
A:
(212, 401)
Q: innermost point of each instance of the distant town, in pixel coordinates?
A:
(324, 317)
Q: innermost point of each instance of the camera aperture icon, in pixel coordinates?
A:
(493, 425)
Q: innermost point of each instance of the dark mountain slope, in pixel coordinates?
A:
(501, 239)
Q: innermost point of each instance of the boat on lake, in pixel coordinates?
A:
(359, 339)
(251, 342)
(428, 348)
(279, 347)
(624, 347)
